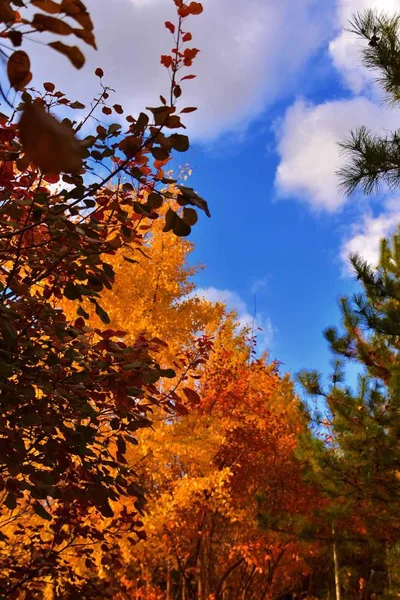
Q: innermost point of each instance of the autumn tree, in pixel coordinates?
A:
(73, 396)
(204, 472)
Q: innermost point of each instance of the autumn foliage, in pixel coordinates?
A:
(148, 450)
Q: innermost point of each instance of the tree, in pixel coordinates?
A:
(204, 472)
(355, 456)
(73, 396)
(374, 159)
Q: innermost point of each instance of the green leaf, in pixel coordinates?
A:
(168, 373)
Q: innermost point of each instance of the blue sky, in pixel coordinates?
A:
(279, 83)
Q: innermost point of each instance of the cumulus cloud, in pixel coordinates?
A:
(345, 48)
(234, 302)
(365, 237)
(250, 54)
(308, 139)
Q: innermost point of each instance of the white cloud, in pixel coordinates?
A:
(365, 237)
(258, 285)
(250, 54)
(308, 148)
(234, 302)
(345, 48)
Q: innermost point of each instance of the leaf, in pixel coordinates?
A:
(47, 6)
(49, 144)
(87, 36)
(169, 220)
(99, 72)
(77, 105)
(42, 512)
(170, 26)
(100, 312)
(118, 109)
(155, 200)
(18, 70)
(180, 228)
(190, 216)
(130, 145)
(191, 395)
(10, 501)
(189, 109)
(49, 87)
(160, 153)
(15, 37)
(180, 142)
(72, 52)
(168, 373)
(78, 11)
(51, 24)
(106, 511)
(7, 15)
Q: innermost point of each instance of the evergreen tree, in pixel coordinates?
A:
(353, 454)
(374, 159)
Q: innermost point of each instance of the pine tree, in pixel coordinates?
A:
(354, 452)
(374, 159)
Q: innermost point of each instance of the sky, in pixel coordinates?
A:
(279, 83)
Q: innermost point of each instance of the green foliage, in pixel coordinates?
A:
(374, 159)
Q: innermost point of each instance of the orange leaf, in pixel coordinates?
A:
(77, 11)
(72, 52)
(48, 6)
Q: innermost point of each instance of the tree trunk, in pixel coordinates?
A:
(169, 596)
(336, 565)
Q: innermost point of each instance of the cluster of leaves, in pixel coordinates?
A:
(73, 395)
(203, 473)
(68, 17)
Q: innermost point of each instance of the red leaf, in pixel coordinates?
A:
(187, 37)
(170, 26)
(166, 60)
(52, 178)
